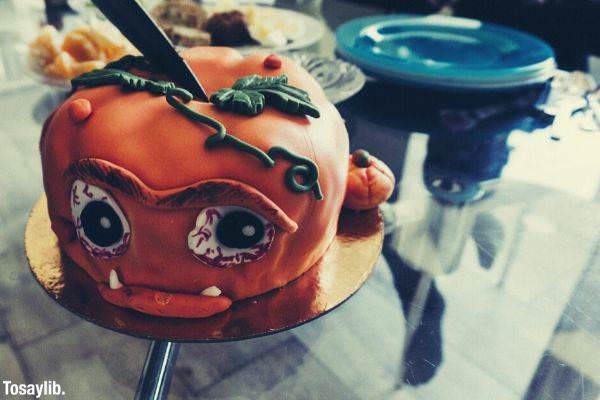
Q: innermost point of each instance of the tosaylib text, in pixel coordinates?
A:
(46, 388)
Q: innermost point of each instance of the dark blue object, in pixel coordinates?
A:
(461, 168)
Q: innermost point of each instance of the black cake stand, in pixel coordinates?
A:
(335, 278)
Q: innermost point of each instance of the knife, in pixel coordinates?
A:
(138, 27)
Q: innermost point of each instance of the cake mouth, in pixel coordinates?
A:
(208, 302)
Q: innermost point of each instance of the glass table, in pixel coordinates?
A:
(487, 287)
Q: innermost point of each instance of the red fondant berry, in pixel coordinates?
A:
(79, 110)
(272, 62)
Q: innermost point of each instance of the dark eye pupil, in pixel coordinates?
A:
(240, 230)
(101, 223)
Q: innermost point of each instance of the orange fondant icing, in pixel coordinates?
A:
(79, 110)
(151, 143)
(368, 186)
(154, 302)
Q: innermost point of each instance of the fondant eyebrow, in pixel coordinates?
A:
(205, 193)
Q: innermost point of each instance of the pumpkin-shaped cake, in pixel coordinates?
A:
(177, 207)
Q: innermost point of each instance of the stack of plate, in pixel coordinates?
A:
(447, 53)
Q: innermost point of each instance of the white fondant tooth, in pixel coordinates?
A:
(113, 280)
(212, 291)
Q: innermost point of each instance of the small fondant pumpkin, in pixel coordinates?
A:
(370, 181)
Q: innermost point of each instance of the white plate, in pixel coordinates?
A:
(313, 28)
(339, 79)
(313, 32)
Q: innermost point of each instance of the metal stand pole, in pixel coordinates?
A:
(156, 376)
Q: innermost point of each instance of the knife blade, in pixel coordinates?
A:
(140, 29)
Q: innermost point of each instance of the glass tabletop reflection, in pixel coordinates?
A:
(487, 287)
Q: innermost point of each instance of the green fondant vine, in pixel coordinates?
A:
(301, 176)
(302, 167)
(221, 136)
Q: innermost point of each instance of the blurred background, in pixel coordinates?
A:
(488, 112)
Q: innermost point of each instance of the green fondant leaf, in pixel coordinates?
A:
(238, 101)
(250, 94)
(256, 82)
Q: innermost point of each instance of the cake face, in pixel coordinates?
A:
(157, 217)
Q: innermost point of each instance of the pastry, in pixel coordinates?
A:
(187, 37)
(179, 12)
(228, 29)
(182, 21)
(82, 49)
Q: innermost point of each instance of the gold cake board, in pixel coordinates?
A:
(335, 278)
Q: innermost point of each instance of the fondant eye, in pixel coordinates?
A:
(100, 224)
(225, 236)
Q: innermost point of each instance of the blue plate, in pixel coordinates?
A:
(445, 52)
